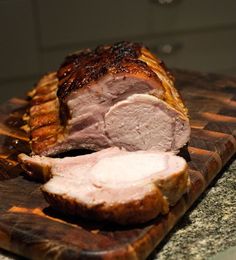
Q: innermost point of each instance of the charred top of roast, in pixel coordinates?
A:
(87, 66)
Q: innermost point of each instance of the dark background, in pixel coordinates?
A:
(37, 34)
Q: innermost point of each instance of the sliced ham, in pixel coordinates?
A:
(112, 185)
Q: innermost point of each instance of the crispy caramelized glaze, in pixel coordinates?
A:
(43, 115)
(88, 66)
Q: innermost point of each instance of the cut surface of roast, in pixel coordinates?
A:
(112, 185)
(116, 95)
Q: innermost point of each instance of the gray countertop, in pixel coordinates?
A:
(208, 228)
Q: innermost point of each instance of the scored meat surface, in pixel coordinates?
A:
(116, 95)
(112, 184)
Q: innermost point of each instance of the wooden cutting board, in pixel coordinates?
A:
(29, 227)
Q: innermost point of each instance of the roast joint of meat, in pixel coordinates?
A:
(120, 96)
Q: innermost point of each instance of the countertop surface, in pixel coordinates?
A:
(208, 228)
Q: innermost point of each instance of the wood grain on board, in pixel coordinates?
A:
(29, 227)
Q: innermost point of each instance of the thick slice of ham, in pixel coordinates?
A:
(113, 184)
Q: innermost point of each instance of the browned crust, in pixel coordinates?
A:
(89, 66)
(41, 120)
(162, 194)
(171, 95)
(175, 186)
(36, 171)
(48, 111)
(134, 212)
(43, 115)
